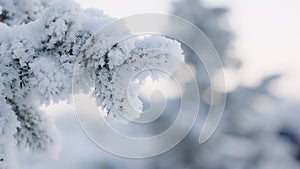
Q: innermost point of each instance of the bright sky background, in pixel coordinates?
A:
(267, 35)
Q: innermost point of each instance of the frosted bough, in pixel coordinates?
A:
(39, 44)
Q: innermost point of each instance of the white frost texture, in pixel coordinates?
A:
(40, 41)
(125, 61)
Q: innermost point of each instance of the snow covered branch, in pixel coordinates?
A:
(39, 44)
